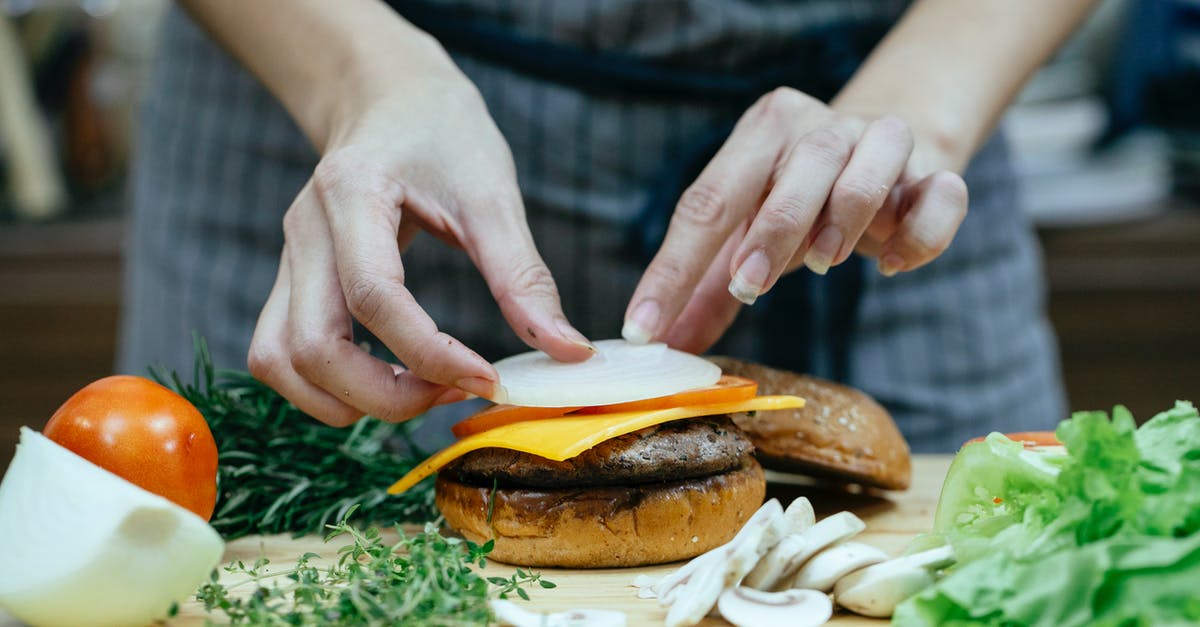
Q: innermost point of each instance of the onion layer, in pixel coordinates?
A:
(619, 372)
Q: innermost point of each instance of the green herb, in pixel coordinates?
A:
(281, 471)
(421, 579)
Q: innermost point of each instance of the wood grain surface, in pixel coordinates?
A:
(892, 518)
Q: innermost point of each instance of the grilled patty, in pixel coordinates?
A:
(682, 449)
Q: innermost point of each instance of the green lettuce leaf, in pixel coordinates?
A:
(1105, 534)
(1123, 581)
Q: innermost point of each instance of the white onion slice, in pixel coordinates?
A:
(82, 546)
(619, 372)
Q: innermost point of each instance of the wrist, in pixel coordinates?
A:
(371, 72)
(939, 143)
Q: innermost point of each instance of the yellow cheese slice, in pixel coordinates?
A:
(567, 436)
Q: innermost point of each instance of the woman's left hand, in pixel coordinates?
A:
(796, 183)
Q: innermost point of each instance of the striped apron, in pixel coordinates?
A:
(610, 107)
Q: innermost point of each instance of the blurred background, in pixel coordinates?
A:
(1107, 139)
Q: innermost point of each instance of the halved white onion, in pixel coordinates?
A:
(619, 372)
(83, 546)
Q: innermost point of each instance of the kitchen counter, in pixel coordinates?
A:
(892, 518)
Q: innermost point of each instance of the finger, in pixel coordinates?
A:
(790, 210)
(727, 190)
(268, 359)
(320, 332)
(712, 308)
(522, 285)
(362, 208)
(876, 163)
(936, 207)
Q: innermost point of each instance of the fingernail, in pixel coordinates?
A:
(890, 264)
(453, 395)
(750, 277)
(572, 335)
(825, 249)
(639, 327)
(482, 387)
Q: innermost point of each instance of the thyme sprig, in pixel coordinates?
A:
(281, 471)
(421, 579)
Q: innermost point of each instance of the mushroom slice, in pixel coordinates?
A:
(792, 552)
(747, 607)
(645, 585)
(774, 566)
(800, 514)
(769, 517)
(828, 566)
(696, 598)
(509, 613)
(877, 590)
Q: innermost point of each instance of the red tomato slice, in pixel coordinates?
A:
(726, 390)
(1029, 439)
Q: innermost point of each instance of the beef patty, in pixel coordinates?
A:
(682, 449)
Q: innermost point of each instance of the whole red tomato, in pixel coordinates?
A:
(145, 433)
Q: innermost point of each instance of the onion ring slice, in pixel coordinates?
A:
(619, 372)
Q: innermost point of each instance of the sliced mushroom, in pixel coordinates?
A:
(696, 598)
(645, 585)
(828, 566)
(747, 607)
(509, 613)
(765, 527)
(792, 552)
(800, 514)
(877, 590)
(775, 565)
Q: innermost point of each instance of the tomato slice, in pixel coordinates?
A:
(726, 390)
(1029, 439)
(499, 415)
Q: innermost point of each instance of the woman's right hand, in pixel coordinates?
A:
(418, 154)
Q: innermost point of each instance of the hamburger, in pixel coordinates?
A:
(666, 491)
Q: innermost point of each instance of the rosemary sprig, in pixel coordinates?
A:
(281, 471)
(422, 579)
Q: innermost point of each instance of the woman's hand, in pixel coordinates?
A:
(796, 183)
(428, 157)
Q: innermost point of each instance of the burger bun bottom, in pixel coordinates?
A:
(604, 527)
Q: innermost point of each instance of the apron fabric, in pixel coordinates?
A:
(610, 107)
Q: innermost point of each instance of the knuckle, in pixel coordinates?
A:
(924, 244)
(263, 363)
(343, 172)
(668, 270)
(857, 197)
(531, 279)
(783, 102)
(417, 356)
(388, 413)
(332, 169)
(701, 206)
(292, 223)
(828, 146)
(785, 215)
(953, 187)
(308, 355)
(364, 298)
(895, 127)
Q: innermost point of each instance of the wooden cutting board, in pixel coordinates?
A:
(892, 518)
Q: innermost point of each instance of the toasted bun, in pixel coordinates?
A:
(840, 432)
(605, 527)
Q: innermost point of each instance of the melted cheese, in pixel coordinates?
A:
(567, 436)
